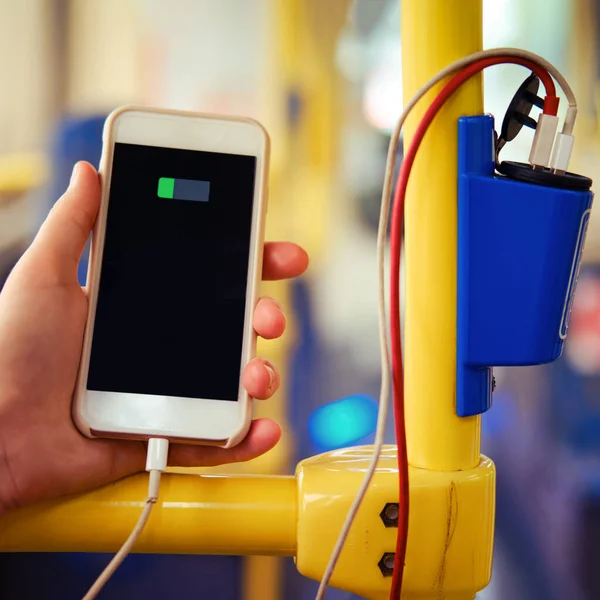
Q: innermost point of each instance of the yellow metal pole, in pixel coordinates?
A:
(197, 514)
(434, 33)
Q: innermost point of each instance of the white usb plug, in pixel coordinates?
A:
(543, 141)
(562, 153)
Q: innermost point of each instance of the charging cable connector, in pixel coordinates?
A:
(543, 141)
(562, 153)
(156, 464)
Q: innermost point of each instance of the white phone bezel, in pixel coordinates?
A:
(139, 416)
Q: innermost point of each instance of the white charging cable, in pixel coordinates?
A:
(156, 464)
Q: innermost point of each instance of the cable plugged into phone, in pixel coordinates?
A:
(156, 464)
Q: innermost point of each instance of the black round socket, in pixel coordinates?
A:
(543, 176)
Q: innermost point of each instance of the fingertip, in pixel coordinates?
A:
(269, 319)
(303, 259)
(265, 432)
(85, 180)
(260, 379)
(84, 166)
(264, 435)
(284, 260)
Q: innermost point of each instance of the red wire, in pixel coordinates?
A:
(550, 107)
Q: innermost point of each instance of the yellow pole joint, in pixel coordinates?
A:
(451, 526)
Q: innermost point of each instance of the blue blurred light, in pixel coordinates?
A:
(343, 422)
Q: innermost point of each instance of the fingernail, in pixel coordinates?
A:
(277, 304)
(74, 174)
(271, 373)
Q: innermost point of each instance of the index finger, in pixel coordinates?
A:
(283, 260)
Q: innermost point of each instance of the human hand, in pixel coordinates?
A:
(43, 312)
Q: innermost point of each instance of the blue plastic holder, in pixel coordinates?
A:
(519, 250)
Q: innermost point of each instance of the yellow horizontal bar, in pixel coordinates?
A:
(195, 515)
(451, 522)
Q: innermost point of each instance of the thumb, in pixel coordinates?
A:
(60, 241)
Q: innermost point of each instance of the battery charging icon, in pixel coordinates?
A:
(183, 189)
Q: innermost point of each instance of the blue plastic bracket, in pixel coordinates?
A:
(519, 251)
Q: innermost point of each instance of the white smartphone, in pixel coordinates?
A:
(174, 273)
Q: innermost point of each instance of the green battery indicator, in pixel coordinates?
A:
(183, 189)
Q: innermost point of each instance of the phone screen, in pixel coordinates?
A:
(172, 296)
